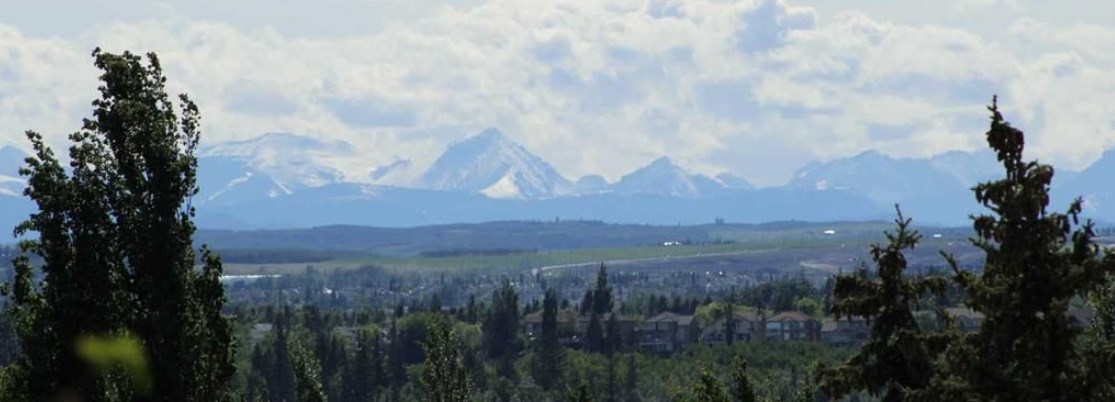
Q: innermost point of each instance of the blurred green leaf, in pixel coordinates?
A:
(108, 353)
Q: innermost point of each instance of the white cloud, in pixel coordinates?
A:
(756, 87)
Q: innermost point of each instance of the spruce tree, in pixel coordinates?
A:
(550, 355)
(1027, 348)
(897, 357)
(602, 295)
(1036, 262)
(613, 339)
(594, 334)
(115, 235)
(501, 327)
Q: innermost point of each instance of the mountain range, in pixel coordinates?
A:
(283, 180)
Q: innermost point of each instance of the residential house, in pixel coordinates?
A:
(573, 327)
(667, 332)
(792, 325)
(747, 328)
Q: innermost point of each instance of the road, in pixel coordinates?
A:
(610, 263)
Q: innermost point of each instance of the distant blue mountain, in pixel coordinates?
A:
(1095, 185)
(664, 178)
(287, 181)
(929, 190)
(387, 206)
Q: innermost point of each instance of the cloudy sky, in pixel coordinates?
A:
(753, 87)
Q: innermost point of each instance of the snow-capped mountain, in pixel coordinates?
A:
(881, 178)
(227, 181)
(400, 173)
(293, 161)
(732, 181)
(1094, 185)
(663, 177)
(491, 164)
(970, 168)
(592, 184)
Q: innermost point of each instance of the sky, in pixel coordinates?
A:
(757, 88)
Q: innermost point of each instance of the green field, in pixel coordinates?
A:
(528, 261)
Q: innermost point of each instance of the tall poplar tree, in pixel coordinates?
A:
(444, 377)
(116, 238)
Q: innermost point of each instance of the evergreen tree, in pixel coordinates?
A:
(613, 340)
(396, 361)
(897, 358)
(602, 295)
(586, 305)
(631, 384)
(742, 390)
(1036, 262)
(444, 377)
(364, 377)
(594, 336)
(115, 237)
(579, 394)
(281, 380)
(471, 315)
(501, 327)
(1027, 348)
(550, 354)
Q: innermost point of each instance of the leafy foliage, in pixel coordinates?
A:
(115, 238)
(444, 378)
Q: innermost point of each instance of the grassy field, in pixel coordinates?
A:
(529, 261)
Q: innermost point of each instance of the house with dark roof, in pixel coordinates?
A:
(667, 332)
(792, 325)
(572, 327)
(747, 327)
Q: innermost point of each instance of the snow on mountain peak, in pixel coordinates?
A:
(292, 160)
(663, 177)
(506, 187)
(489, 162)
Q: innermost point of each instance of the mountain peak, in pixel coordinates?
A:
(663, 177)
(489, 158)
(277, 142)
(291, 159)
(871, 154)
(732, 181)
(490, 134)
